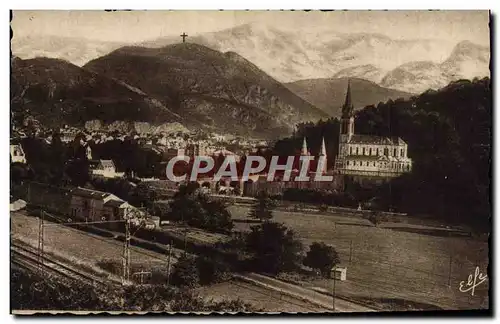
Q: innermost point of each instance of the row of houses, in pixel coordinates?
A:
(82, 204)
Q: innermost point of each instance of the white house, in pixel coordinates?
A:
(17, 154)
(105, 168)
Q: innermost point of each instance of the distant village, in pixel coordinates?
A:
(360, 157)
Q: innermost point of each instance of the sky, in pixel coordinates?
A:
(137, 26)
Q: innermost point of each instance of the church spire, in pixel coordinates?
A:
(348, 108)
(304, 150)
(323, 147)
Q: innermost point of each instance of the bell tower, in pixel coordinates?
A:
(347, 120)
(346, 128)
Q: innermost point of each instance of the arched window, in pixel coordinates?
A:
(386, 151)
(357, 150)
(350, 150)
(363, 151)
(395, 152)
(370, 151)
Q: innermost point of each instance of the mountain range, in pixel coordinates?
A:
(329, 94)
(219, 91)
(55, 92)
(288, 56)
(75, 50)
(187, 83)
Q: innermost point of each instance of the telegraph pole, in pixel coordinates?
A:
(141, 275)
(126, 251)
(334, 282)
(168, 264)
(350, 252)
(449, 273)
(185, 240)
(41, 237)
(40, 241)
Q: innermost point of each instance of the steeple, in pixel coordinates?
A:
(304, 150)
(348, 108)
(323, 147)
(347, 119)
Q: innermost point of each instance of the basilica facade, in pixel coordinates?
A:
(368, 155)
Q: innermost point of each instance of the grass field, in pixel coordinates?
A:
(392, 268)
(87, 248)
(265, 299)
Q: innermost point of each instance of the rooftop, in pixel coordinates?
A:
(372, 139)
(114, 203)
(88, 193)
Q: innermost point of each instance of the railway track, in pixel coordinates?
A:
(28, 258)
(272, 294)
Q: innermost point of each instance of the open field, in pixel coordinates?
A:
(89, 249)
(395, 265)
(262, 298)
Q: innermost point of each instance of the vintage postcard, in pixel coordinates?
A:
(250, 161)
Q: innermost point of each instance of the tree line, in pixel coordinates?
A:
(448, 133)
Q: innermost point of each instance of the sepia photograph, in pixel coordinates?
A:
(250, 162)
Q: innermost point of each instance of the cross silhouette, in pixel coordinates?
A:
(141, 274)
(184, 35)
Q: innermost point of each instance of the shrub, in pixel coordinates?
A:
(321, 257)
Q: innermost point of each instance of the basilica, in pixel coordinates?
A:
(368, 155)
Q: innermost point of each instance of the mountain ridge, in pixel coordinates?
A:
(289, 56)
(55, 92)
(329, 93)
(199, 82)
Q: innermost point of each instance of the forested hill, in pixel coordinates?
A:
(449, 138)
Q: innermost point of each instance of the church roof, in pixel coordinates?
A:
(364, 158)
(374, 158)
(372, 139)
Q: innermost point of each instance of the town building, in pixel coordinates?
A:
(368, 155)
(104, 168)
(93, 205)
(17, 154)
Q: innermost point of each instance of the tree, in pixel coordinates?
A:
(217, 217)
(376, 217)
(18, 173)
(199, 210)
(78, 171)
(263, 208)
(57, 158)
(275, 248)
(144, 195)
(185, 272)
(211, 269)
(321, 257)
(29, 292)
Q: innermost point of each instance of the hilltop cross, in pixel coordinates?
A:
(184, 35)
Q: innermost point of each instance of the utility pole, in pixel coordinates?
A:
(449, 273)
(185, 240)
(40, 241)
(350, 252)
(141, 275)
(334, 282)
(168, 264)
(126, 251)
